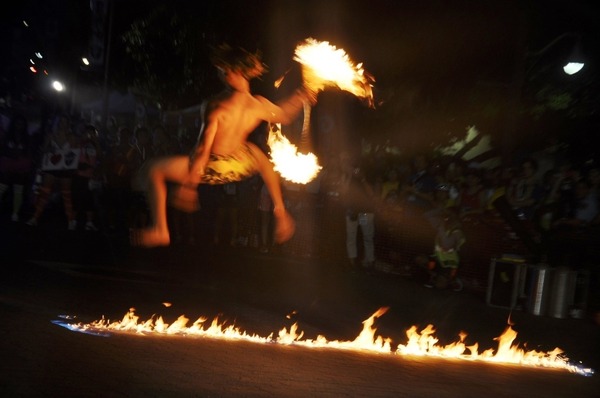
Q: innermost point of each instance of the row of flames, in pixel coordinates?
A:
(423, 343)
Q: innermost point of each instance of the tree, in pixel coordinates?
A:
(168, 57)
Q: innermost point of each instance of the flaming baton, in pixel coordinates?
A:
(323, 65)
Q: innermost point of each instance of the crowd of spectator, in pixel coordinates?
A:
(92, 174)
(547, 195)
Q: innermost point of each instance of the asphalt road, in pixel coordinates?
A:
(42, 280)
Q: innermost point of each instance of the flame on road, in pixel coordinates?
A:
(420, 343)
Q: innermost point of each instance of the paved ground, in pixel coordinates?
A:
(46, 273)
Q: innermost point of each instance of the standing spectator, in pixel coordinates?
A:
(593, 177)
(142, 151)
(16, 162)
(118, 170)
(359, 200)
(449, 238)
(59, 163)
(83, 197)
(162, 144)
(265, 208)
(227, 213)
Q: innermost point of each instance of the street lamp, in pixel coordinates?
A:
(574, 62)
(523, 66)
(58, 86)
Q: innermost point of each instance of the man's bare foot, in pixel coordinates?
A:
(285, 227)
(149, 237)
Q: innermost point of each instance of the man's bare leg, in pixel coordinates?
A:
(284, 223)
(176, 169)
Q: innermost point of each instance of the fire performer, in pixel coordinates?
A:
(222, 153)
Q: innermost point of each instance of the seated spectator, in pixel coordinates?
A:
(566, 176)
(585, 209)
(471, 200)
(442, 197)
(421, 184)
(523, 190)
(453, 178)
(390, 185)
(549, 202)
(493, 188)
(454, 173)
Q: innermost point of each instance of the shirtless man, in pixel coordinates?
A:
(223, 153)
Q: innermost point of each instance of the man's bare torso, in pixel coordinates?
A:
(237, 114)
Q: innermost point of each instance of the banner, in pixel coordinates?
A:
(61, 160)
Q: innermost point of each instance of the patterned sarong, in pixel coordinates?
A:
(223, 169)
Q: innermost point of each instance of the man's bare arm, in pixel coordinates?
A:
(287, 110)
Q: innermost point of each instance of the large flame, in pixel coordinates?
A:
(325, 65)
(288, 162)
(422, 343)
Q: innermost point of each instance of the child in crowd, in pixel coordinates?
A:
(443, 264)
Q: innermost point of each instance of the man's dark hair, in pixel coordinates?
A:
(236, 58)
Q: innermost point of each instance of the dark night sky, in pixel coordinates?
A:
(429, 49)
(397, 40)
(416, 38)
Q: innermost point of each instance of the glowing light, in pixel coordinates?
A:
(325, 65)
(58, 86)
(31, 61)
(573, 67)
(288, 162)
(33, 69)
(423, 343)
(85, 61)
(39, 55)
(25, 23)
